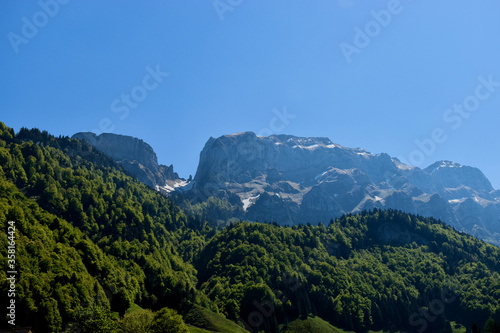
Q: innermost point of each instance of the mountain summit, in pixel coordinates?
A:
(135, 156)
(292, 180)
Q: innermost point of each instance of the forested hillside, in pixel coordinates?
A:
(94, 244)
(367, 270)
(122, 238)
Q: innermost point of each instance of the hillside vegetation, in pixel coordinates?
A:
(93, 242)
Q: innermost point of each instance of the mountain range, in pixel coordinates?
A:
(291, 180)
(96, 250)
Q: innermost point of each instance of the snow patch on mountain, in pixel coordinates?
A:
(175, 185)
(249, 201)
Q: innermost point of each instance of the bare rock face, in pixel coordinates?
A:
(135, 156)
(292, 180)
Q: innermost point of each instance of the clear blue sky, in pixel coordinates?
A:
(72, 70)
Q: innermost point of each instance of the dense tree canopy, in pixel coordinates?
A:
(87, 233)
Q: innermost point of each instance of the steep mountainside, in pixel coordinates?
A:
(135, 156)
(289, 180)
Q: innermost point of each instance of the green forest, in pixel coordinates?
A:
(98, 251)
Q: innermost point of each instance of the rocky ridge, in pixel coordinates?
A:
(137, 157)
(292, 180)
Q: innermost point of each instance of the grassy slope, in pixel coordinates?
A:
(206, 319)
(312, 325)
(316, 324)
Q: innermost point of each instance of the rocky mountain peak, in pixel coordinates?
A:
(245, 155)
(121, 147)
(290, 179)
(135, 156)
(453, 175)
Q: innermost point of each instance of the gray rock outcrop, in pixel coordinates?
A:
(292, 180)
(135, 156)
